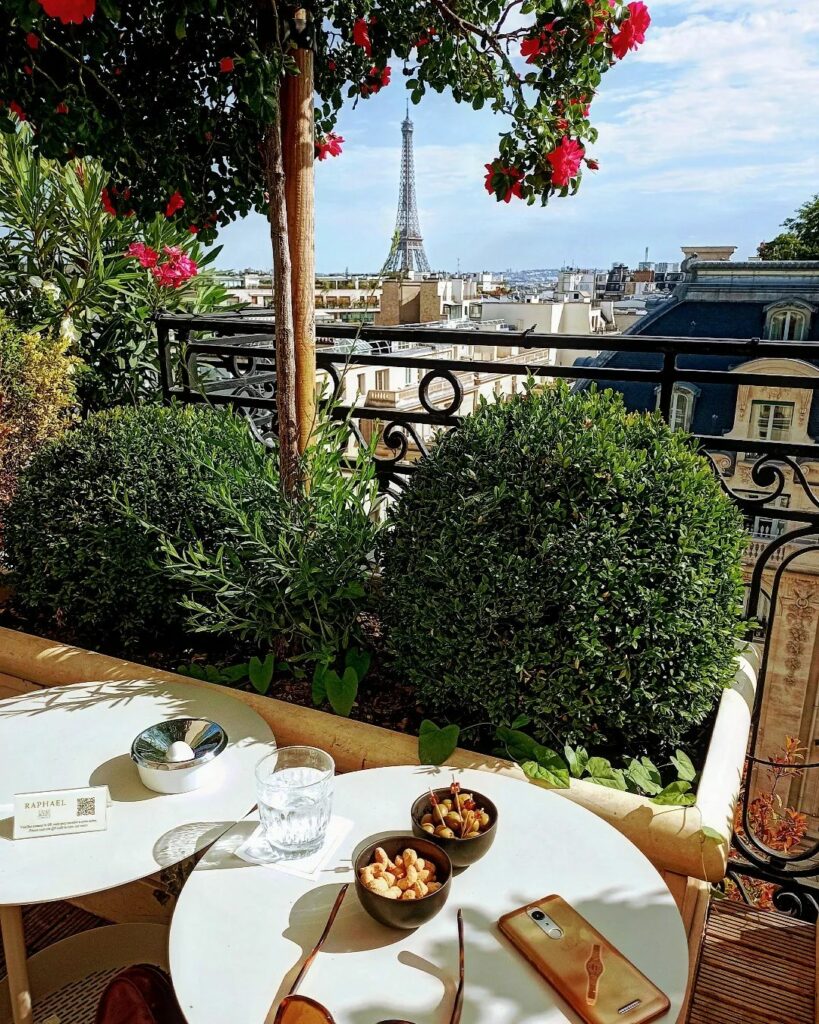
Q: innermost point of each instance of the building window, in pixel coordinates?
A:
(382, 380)
(682, 409)
(771, 421)
(787, 325)
(681, 413)
(362, 385)
(407, 376)
(765, 528)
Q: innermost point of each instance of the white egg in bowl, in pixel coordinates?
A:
(180, 755)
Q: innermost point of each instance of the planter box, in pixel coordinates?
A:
(670, 836)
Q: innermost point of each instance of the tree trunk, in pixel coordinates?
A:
(298, 144)
(283, 308)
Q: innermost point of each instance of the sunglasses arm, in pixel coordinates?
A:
(305, 967)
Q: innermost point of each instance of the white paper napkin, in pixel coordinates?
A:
(257, 850)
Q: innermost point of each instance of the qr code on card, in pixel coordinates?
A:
(86, 806)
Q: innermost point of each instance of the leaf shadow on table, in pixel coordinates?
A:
(496, 974)
(113, 693)
(185, 840)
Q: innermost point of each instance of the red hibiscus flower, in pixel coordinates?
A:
(508, 177)
(632, 30)
(176, 202)
(376, 79)
(226, 65)
(28, 69)
(33, 41)
(193, 229)
(107, 202)
(540, 45)
(70, 12)
(426, 37)
(15, 108)
(331, 65)
(565, 159)
(598, 29)
(61, 108)
(593, 165)
(147, 256)
(361, 35)
(330, 145)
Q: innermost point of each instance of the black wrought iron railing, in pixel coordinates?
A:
(401, 385)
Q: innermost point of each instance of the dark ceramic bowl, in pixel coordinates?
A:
(462, 852)
(404, 913)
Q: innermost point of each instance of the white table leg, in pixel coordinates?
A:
(14, 947)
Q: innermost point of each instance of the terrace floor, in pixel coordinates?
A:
(756, 967)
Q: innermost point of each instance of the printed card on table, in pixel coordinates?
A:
(60, 812)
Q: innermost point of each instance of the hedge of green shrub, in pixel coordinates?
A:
(78, 555)
(562, 559)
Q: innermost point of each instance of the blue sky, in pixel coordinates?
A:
(709, 134)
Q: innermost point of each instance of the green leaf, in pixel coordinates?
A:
(261, 673)
(676, 793)
(551, 770)
(236, 673)
(577, 759)
(711, 833)
(180, 30)
(357, 660)
(602, 774)
(436, 745)
(520, 722)
(342, 691)
(644, 778)
(685, 769)
(319, 685)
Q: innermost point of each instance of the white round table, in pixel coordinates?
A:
(81, 735)
(240, 931)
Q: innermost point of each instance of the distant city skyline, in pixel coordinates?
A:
(709, 134)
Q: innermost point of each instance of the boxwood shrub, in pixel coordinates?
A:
(78, 556)
(560, 558)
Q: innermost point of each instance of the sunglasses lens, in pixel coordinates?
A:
(300, 1010)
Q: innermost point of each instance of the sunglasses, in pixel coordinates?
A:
(296, 1009)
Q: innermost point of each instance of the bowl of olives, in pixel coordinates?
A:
(463, 824)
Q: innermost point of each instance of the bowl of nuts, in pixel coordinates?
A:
(463, 824)
(402, 882)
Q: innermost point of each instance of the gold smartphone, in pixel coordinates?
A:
(594, 978)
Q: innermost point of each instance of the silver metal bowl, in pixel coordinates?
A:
(150, 752)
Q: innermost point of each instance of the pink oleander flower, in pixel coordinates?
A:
(147, 256)
(177, 268)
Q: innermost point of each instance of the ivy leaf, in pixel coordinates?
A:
(602, 774)
(236, 673)
(577, 759)
(644, 778)
(436, 745)
(711, 833)
(319, 690)
(342, 691)
(676, 793)
(685, 769)
(357, 660)
(261, 673)
(550, 769)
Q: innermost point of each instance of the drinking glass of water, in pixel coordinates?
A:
(295, 790)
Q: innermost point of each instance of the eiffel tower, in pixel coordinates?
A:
(407, 251)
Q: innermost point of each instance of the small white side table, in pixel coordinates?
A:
(240, 931)
(81, 735)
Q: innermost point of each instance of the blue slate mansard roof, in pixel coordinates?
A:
(718, 300)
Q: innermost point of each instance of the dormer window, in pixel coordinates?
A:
(788, 320)
(681, 413)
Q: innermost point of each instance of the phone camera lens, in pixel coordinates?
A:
(538, 915)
